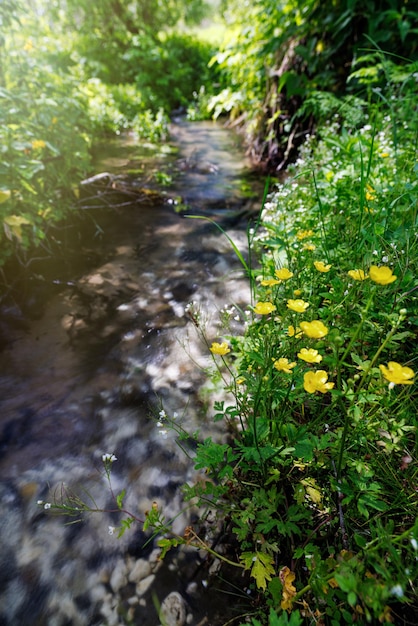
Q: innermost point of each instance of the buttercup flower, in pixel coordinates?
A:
(283, 273)
(270, 282)
(321, 267)
(397, 374)
(309, 246)
(283, 365)
(219, 348)
(357, 274)
(310, 355)
(382, 275)
(264, 308)
(294, 332)
(315, 329)
(298, 305)
(317, 381)
(304, 234)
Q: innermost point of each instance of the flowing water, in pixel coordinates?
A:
(104, 352)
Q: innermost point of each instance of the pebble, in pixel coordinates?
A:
(141, 570)
(173, 610)
(144, 584)
(119, 578)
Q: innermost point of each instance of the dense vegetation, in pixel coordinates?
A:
(70, 73)
(317, 483)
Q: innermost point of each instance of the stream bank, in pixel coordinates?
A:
(89, 375)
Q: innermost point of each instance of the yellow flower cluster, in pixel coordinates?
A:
(382, 275)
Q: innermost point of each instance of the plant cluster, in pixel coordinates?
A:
(280, 56)
(319, 480)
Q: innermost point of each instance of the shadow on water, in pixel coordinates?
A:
(110, 345)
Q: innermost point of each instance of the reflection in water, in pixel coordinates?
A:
(90, 376)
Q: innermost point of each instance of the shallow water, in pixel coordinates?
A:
(90, 375)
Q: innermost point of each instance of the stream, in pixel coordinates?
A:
(87, 373)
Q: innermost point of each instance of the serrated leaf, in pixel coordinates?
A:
(261, 565)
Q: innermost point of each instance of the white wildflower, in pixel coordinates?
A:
(108, 458)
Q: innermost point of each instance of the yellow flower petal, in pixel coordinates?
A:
(310, 355)
(283, 365)
(264, 308)
(219, 348)
(283, 273)
(315, 329)
(357, 274)
(381, 275)
(321, 267)
(303, 234)
(397, 373)
(299, 306)
(317, 381)
(294, 332)
(270, 282)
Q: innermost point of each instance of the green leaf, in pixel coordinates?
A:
(261, 565)
(166, 545)
(119, 498)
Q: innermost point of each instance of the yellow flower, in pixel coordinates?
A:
(283, 273)
(240, 380)
(397, 373)
(357, 274)
(298, 305)
(264, 308)
(294, 332)
(321, 267)
(310, 355)
(304, 234)
(283, 365)
(384, 155)
(315, 329)
(297, 292)
(316, 381)
(382, 275)
(370, 193)
(219, 348)
(38, 144)
(309, 246)
(270, 282)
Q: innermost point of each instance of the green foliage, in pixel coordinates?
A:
(279, 56)
(70, 76)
